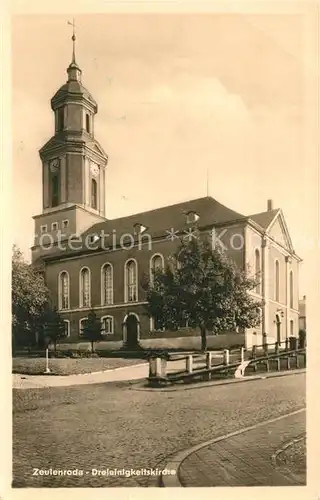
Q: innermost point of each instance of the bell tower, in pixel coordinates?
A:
(73, 165)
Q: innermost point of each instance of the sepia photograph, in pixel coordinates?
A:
(160, 247)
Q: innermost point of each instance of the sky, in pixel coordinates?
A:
(179, 95)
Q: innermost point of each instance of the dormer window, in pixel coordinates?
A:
(139, 228)
(54, 226)
(192, 217)
(93, 238)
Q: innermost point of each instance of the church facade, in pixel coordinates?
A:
(90, 261)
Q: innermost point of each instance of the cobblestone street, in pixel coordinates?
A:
(245, 459)
(116, 426)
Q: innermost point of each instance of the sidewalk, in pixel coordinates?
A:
(125, 373)
(122, 374)
(244, 458)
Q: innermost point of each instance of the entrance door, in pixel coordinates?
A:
(132, 331)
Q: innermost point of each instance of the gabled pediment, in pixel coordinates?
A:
(53, 142)
(278, 231)
(95, 146)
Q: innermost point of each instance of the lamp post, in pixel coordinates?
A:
(47, 361)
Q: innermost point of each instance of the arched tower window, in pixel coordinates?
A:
(291, 289)
(131, 281)
(106, 284)
(94, 194)
(257, 269)
(85, 288)
(60, 119)
(55, 190)
(277, 281)
(64, 290)
(87, 122)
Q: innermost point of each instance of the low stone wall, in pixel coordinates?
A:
(186, 343)
(194, 343)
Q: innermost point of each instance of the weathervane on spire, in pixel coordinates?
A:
(73, 38)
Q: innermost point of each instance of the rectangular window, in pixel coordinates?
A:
(44, 228)
(54, 226)
(65, 223)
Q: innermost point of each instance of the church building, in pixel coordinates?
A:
(90, 261)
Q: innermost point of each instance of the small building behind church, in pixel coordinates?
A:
(90, 261)
(302, 313)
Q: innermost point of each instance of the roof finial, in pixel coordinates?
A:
(73, 38)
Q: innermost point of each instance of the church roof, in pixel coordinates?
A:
(160, 220)
(264, 219)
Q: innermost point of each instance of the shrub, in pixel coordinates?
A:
(76, 354)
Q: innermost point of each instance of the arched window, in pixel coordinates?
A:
(277, 281)
(94, 194)
(87, 122)
(131, 281)
(64, 290)
(257, 270)
(156, 263)
(179, 259)
(291, 289)
(82, 325)
(85, 288)
(55, 190)
(106, 284)
(107, 325)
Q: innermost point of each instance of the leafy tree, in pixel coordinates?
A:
(30, 297)
(205, 288)
(93, 329)
(54, 327)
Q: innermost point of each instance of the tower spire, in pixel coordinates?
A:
(73, 38)
(74, 72)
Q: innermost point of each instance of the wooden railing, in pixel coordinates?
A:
(187, 366)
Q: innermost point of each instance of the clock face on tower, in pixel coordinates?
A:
(94, 169)
(54, 165)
